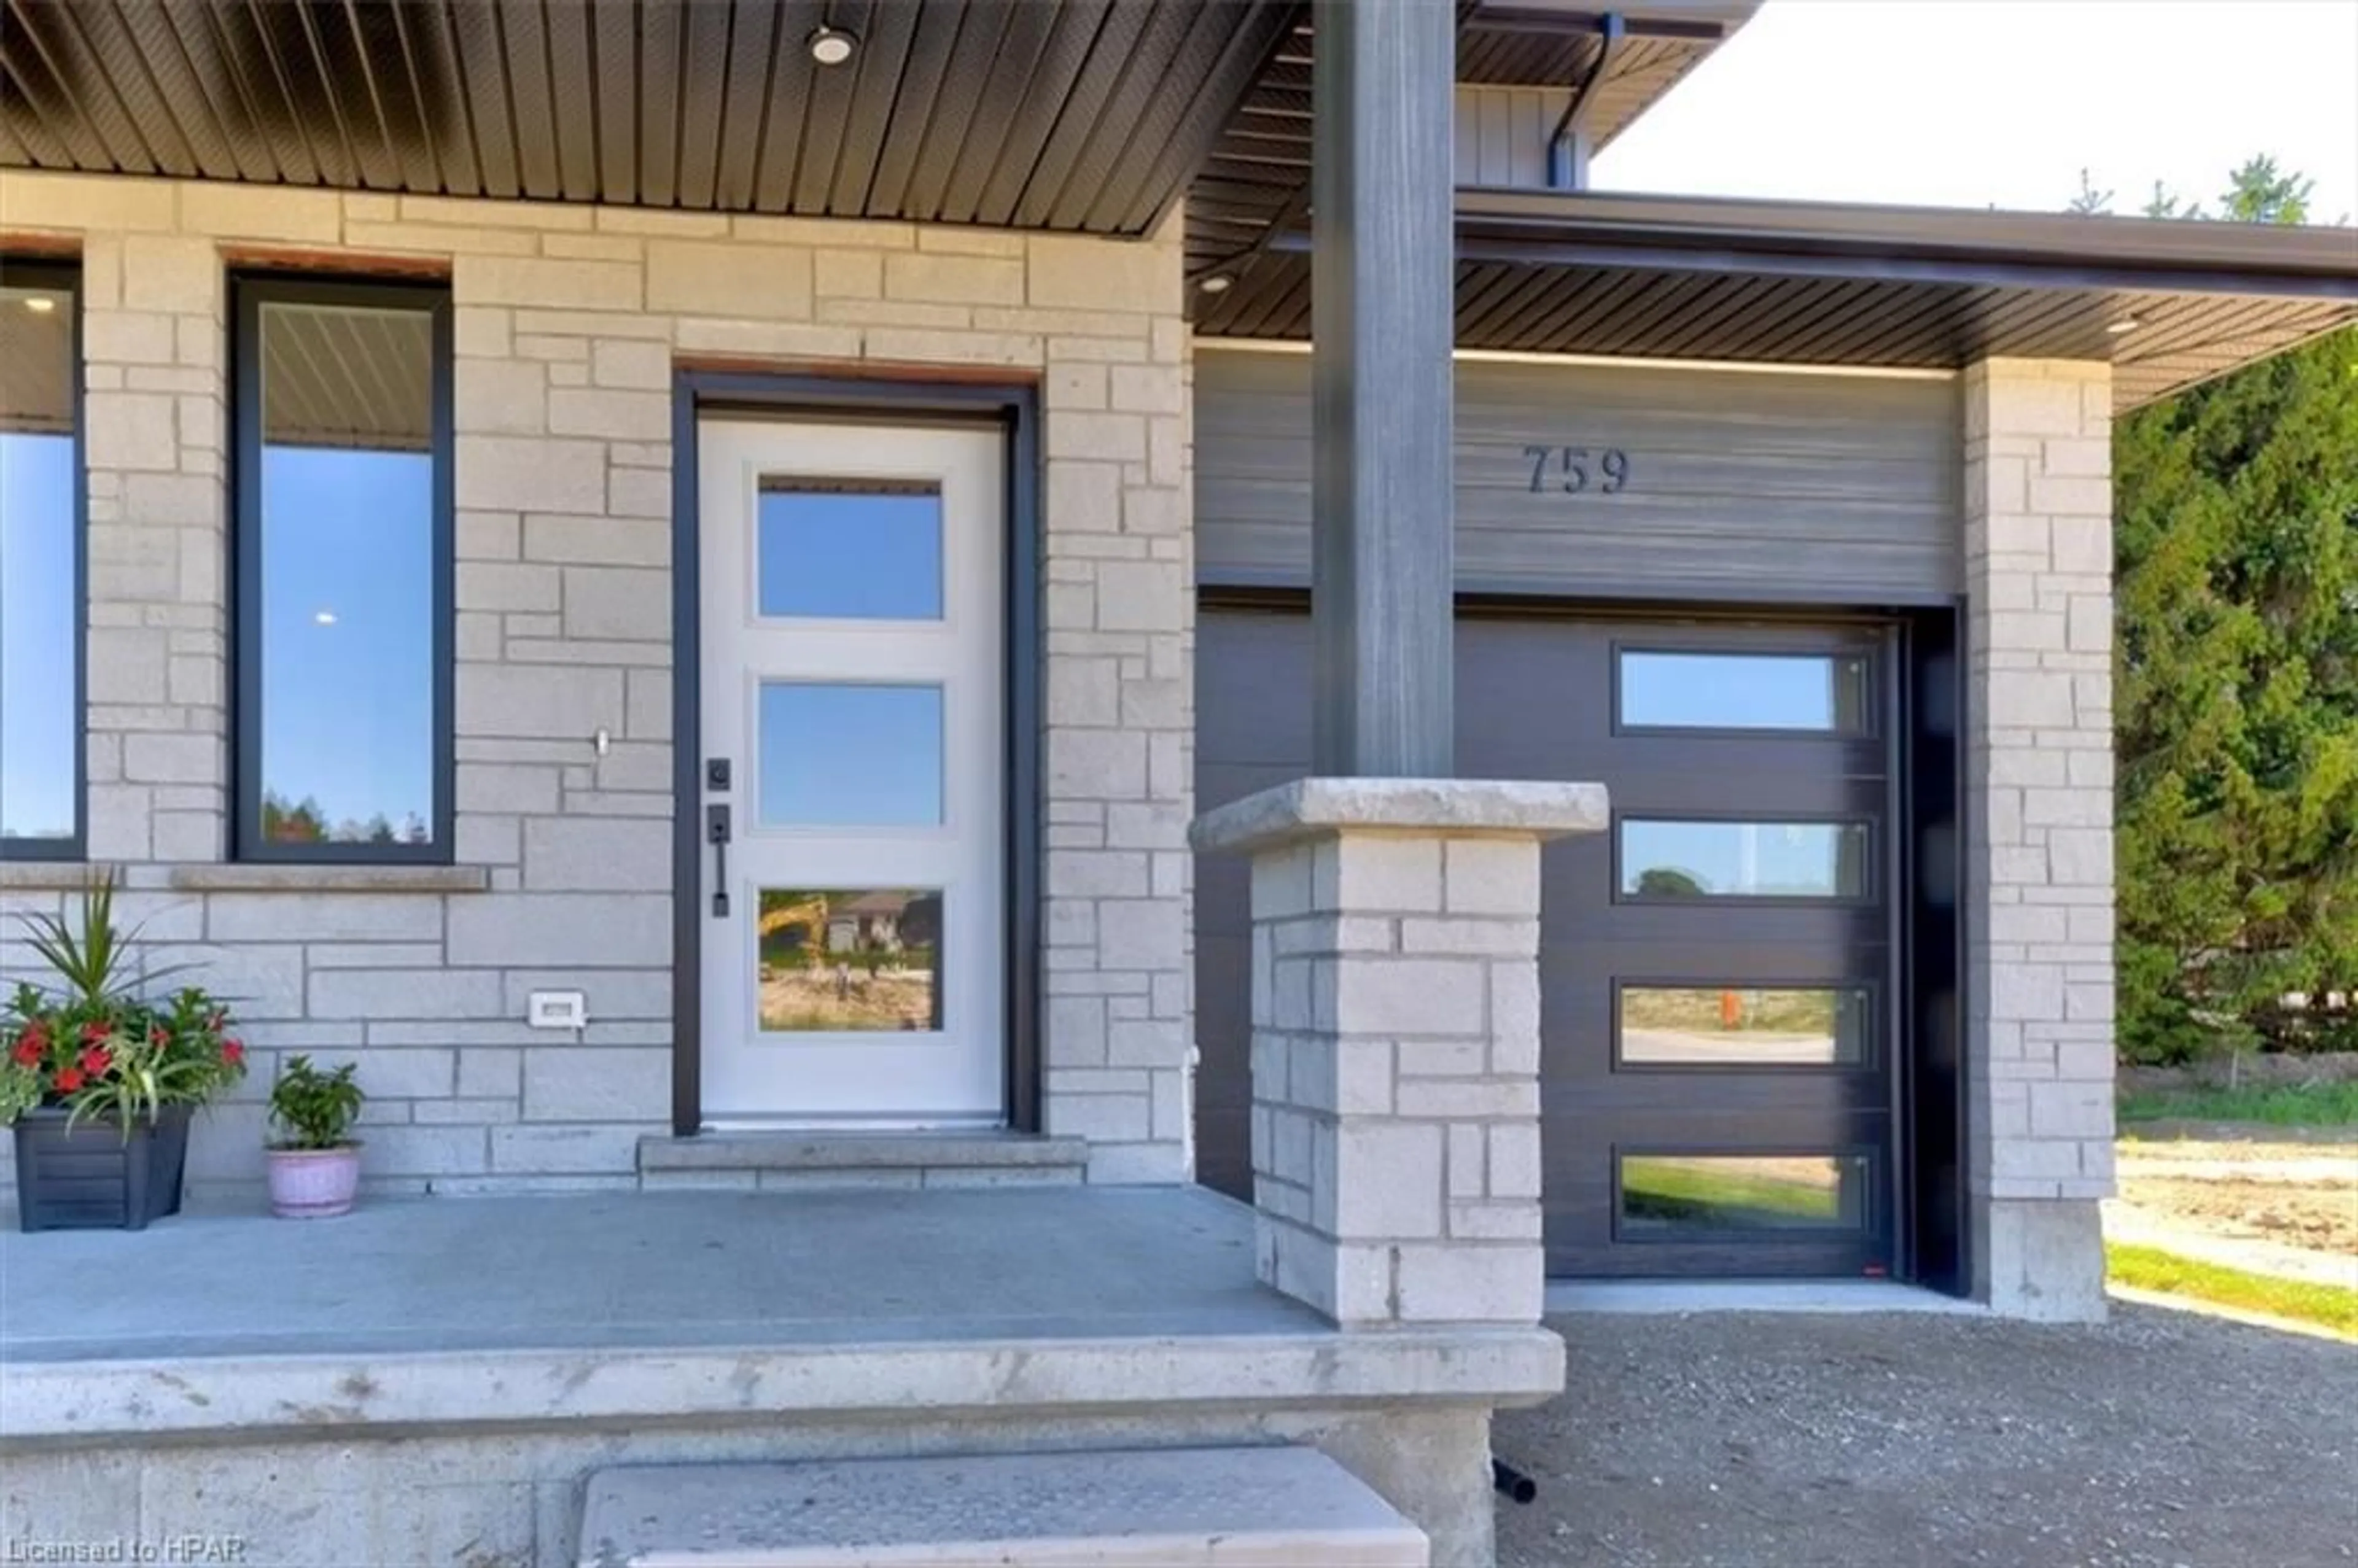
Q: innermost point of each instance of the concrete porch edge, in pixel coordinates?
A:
(75, 1402)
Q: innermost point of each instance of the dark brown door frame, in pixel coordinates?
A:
(1012, 409)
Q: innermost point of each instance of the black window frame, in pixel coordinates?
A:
(249, 292)
(64, 275)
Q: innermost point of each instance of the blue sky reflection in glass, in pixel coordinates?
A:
(851, 755)
(1743, 691)
(850, 550)
(39, 598)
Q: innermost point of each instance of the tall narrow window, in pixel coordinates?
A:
(343, 571)
(41, 564)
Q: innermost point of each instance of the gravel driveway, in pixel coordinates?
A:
(1820, 1442)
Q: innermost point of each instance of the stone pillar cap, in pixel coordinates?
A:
(1452, 808)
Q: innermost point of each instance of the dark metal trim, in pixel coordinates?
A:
(1827, 240)
(65, 275)
(1932, 1097)
(1249, 587)
(1013, 407)
(1839, 239)
(1567, 171)
(687, 771)
(249, 291)
(1705, 21)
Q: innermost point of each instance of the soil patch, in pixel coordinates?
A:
(2266, 1199)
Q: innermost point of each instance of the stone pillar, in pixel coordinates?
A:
(2038, 796)
(1395, 1040)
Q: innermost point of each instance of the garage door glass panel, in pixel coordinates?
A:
(1808, 693)
(850, 549)
(1665, 1196)
(851, 755)
(1746, 1026)
(1664, 858)
(846, 959)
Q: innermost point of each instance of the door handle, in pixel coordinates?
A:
(716, 833)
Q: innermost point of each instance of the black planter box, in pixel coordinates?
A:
(89, 1177)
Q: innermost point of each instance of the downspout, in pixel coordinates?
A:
(1567, 144)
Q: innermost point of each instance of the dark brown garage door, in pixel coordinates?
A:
(1716, 972)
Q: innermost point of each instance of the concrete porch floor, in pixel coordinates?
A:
(642, 1271)
(432, 1381)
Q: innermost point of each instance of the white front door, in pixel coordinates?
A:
(854, 953)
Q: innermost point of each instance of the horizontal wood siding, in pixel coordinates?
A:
(1826, 489)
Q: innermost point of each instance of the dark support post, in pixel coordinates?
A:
(1383, 326)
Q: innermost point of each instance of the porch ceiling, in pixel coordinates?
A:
(1791, 282)
(1256, 181)
(1081, 115)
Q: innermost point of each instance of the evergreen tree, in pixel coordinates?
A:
(2091, 203)
(2237, 693)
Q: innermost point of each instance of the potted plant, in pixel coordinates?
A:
(98, 1081)
(315, 1168)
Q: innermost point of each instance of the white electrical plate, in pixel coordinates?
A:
(557, 1009)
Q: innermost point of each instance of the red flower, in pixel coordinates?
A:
(232, 1052)
(93, 1034)
(96, 1060)
(69, 1079)
(30, 1046)
(155, 1034)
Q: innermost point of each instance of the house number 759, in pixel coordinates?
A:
(1573, 470)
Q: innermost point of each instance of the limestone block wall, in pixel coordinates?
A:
(2039, 565)
(568, 323)
(1395, 1073)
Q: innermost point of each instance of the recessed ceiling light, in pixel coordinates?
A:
(39, 304)
(1218, 282)
(831, 46)
(2125, 324)
(324, 618)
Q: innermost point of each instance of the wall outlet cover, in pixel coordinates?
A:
(557, 1009)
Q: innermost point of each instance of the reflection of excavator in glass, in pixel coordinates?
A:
(834, 959)
(810, 914)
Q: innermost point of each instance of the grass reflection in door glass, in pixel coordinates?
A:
(858, 959)
(1665, 1194)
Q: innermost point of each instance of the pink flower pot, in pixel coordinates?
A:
(313, 1184)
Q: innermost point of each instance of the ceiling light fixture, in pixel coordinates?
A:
(2125, 324)
(1218, 283)
(324, 618)
(39, 304)
(831, 46)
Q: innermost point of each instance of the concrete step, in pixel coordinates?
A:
(1180, 1508)
(813, 1161)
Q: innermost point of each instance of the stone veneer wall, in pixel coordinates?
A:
(2038, 875)
(569, 322)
